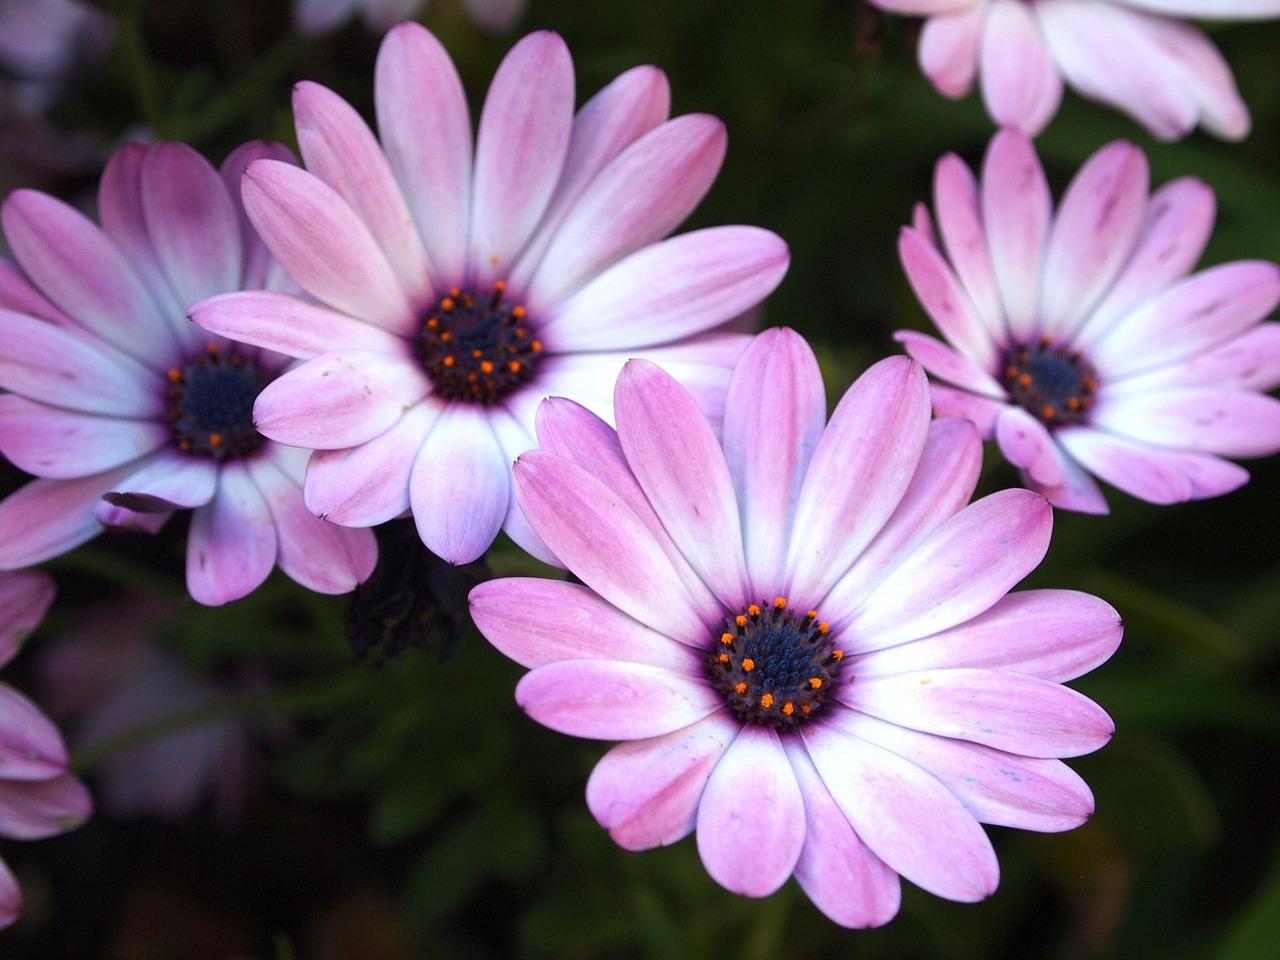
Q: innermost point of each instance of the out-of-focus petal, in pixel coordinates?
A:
(233, 541)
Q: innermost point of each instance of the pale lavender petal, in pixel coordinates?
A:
(943, 362)
(959, 204)
(232, 544)
(669, 290)
(368, 484)
(1232, 423)
(1154, 474)
(751, 818)
(640, 197)
(339, 148)
(535, 622)
(646, 792)
(339, 399)
(291, 325)
(843, 878)
(25, 597)
(1078, 492)
(18, 295)
(1017, 209)
(49, 442)
(1249, 361)
(859, 472)
(520, 151)
(948, 50)
(1006, 711)
(261, 271)
(607, 546)
(460, 485)
(46, 518)
(1021, 85)
(945, 299)
(982, 412)
(613, 700)
(1204, 73)
(426, 132)
(495, 16)
(1052, 634)
(1025, 442)
(964, 567)
(1098, 223)
(324, 245)
(1212, 9)
(321, 556)
(172, 477)
(905, 816)
(775, 412)
(78, 267)
(192, 222)
(34, 809)
(30, 746)
(681, 468)
(1030, 793)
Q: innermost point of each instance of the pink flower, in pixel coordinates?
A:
(124, 409)
(1079, 342)
(802, 636)
(321, 16)
(1132, 54)
(458, 293)
(38, 797)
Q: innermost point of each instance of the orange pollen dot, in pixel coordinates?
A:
(215, 439)
(812, 614)
(477, 354)
(726, 638)
(486, 366)
(212, 349)
(766, 701)
(788, 708)
(536, 346)
(723, 658)
(740, 620)
(815, 682)
(753, 611)
(448, 361)
(1047, 412)
(748, 665)
(805, 708)
(446, 337)
(1025, 380)
(513, 366)
(824, 627)
(175, 375)
(1010, 371)
(517, 312)
(1073, 403)
(780, 603)
(500, 286)
(741, 688)
(446, 304)
(838, 654)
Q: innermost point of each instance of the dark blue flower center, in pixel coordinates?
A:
(773, 666)
(210, 404)
(1051, 382)
(477, 348)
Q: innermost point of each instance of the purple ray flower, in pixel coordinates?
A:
(321, 16)
(1135, 55)
(458, 293)
(1079, 343)
(124, 409)
(38, 797)
(803, 636)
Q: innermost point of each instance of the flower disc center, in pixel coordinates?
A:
(1050, 381)
(476, 348)
(774, 666)
(210, 404)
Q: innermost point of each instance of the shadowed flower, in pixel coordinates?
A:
(1079, 343)
(1135, 55)
(379, 16)
(38, 797)
(804, 637)
(458, 293)
(44, 42)
(127, 411)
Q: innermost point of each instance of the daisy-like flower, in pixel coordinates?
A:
(322, 16)
(1135, 55)
(38, 797)
(125, 410)
(1079, 343)
(457, 293)
(802, 636)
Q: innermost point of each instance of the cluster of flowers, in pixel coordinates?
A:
(801, 631)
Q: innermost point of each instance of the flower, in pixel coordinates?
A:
(44, 42)
(38, 797)
(456, 295)
(321, 16)
(127, 412)
(1132, 54)
(1079, 342)
(802, 637)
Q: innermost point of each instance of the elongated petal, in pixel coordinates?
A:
(49, 442)
(905, 816)
(30, 746)
(681, 467)
(261, 271)
(1016, 210)
(948, 50)
(536, 621)
(606, 545)
(1027, 444)
(751, 818)
(963, 568)
(25, 597)
(426, 132)
(775, 412)
(982, 412)
(339, 399)
(324, 245)
(170, 479)
(670, 290)
(1233, 423)
(340, 149)
(46, 518)
(646, 792)
(232, 544)
(1154, 474)
(1249, 361)
(1021, 85)
(959, 206)
(1052, 634)
(528, 114)
(1078, 492)
(843, 878)
(34, 809)
(943, 362)
(859, 472)
(637, 199)
(613, 700)
(945, 299)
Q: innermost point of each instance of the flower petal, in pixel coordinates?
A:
(982, 412)
(1017, 209)
(1232, 423)
(1026, 443)
(1021, 85)
(261, 271)
(944, 299)
(25, 597)
(1248, 361)
(35, 809)
(30, 746)
(959, 205)
(1154, 474)
(948, 50)
(61, 444)
(1078, 492)
(232, 544)
(171, 478)
(46, 518)
(943, 362)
